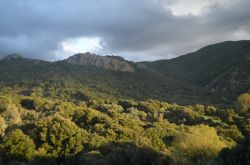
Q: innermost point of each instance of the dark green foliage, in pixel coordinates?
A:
(72, 82)
(150, 106)
(60, 113)
(123, 154)
(222, 68)
(28, 104)
(184, 115)
(231, 131)
(127, 104)
(227, 115)
(239, 155)
(78, 95)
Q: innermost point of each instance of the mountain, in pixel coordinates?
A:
(12, 57)
(214, 74)
(222, 68)
(106, 62)
(88, 76)
(90, 109)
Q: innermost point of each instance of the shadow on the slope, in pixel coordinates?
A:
(109, 154)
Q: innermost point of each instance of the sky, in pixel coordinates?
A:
(138, 30)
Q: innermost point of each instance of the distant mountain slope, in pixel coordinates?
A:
(223, 68)
(60, 79)
(12, 57)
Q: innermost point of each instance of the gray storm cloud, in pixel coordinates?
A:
(142, 29)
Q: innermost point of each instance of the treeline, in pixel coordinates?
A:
(39, 130)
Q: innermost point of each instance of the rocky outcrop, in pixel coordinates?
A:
(13, 57)
(115, 63)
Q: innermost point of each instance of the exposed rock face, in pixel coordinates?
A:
(107, 62)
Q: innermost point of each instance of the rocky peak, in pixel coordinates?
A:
(107, 62)
(13, 57)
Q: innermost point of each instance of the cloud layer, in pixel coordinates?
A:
(137, 30)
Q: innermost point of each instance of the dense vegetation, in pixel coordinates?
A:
(37, 129)
(74, 113)
(222, 68)
(98, 82)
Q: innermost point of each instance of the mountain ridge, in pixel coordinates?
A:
(222, 68)
(106, 62)
(12, 57)
(99, 82)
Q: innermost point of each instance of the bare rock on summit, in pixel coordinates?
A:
(115, 63)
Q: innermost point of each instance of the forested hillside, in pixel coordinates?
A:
(96, 81)
(97, 110)
(222, 68)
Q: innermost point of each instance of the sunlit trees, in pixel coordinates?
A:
(243, 103)
(17, 145)
(210, 110)
(9, 111)
(3, 125)
(36, 103)
(61, 137)
(4, 102)
(199, 108)
(196, 145)
(115, 132)
(65, 108)
(12, 114)
(150, 106)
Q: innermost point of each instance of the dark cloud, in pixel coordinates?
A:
(139, 30)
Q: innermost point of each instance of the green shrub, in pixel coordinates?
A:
(196, 145)
(210, 110)
(61, 137)
(183, 115)
(199, 108)
(4, 102)
(243, 103)
(231, 132)
(12, 115)
(18, 145)
(3, 125)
